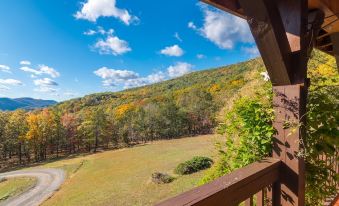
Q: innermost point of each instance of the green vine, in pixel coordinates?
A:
(248, 130)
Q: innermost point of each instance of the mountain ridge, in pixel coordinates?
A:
(26, 103)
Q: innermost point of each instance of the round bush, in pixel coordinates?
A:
(161, 178)
(194, 165)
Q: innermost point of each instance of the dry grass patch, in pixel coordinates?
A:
(14, 186)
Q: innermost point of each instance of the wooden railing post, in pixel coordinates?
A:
(289, 105)
(276, 194)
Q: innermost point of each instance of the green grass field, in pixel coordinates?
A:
(14, 186)
(123, 177)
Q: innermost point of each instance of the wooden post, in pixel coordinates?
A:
(289, 105)
(280, 31)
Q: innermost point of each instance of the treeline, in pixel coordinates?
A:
(51, 132)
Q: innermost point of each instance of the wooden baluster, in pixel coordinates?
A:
(261, 198)
(249, 201)
(276, 194)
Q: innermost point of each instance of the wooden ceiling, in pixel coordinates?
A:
(330, 27)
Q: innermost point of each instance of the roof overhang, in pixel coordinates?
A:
(330, 26)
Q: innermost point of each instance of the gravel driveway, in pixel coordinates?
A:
(48, 181)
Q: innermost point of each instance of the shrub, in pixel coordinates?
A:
(194, 165)
(161, 178)
(248, 131)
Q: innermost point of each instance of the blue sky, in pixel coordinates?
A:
(62, 49)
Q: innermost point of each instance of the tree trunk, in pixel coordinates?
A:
(57, 149)
(96, 141)
(20, 154)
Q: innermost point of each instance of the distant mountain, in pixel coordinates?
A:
(7, 104)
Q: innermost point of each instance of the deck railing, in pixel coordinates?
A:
(246, 185)
(332, 181)
(256, 184)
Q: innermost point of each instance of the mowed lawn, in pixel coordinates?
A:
(123, 177)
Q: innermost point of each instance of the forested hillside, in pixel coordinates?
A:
(185, 106)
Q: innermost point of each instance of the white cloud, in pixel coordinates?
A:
(94, 9)
(5, 68)
(109, 83)
(42, 69)
(3, 88)
(25, 62)
(90, 32)
(156, 77)
(102, 31)
(142, 81)
(129, 79)
(12, 82)
(99, 30)
(45, 82)
(223, 29)
(46, 90)
(49, 71)
(70, 94)
(114, 77)
(135, 83)
(106, 73)
(177, 36)
(179, 69)
(126, 78)
(30, 70)
(112, 45)
(201, 56)
(251, 51)
(46, 85)
(174, 50)
(191, 25)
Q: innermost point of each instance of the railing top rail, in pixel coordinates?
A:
(232, 188)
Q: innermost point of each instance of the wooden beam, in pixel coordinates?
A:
(290, 104)
(230, 6)
(293, 14)
(280, 30)
(269, 33)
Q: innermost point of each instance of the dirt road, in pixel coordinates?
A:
(48, 181)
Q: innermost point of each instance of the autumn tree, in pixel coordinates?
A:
(200, 110)
(15, 132)
(70, 123)
(93, 127)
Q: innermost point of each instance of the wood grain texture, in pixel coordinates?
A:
(289, 103)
